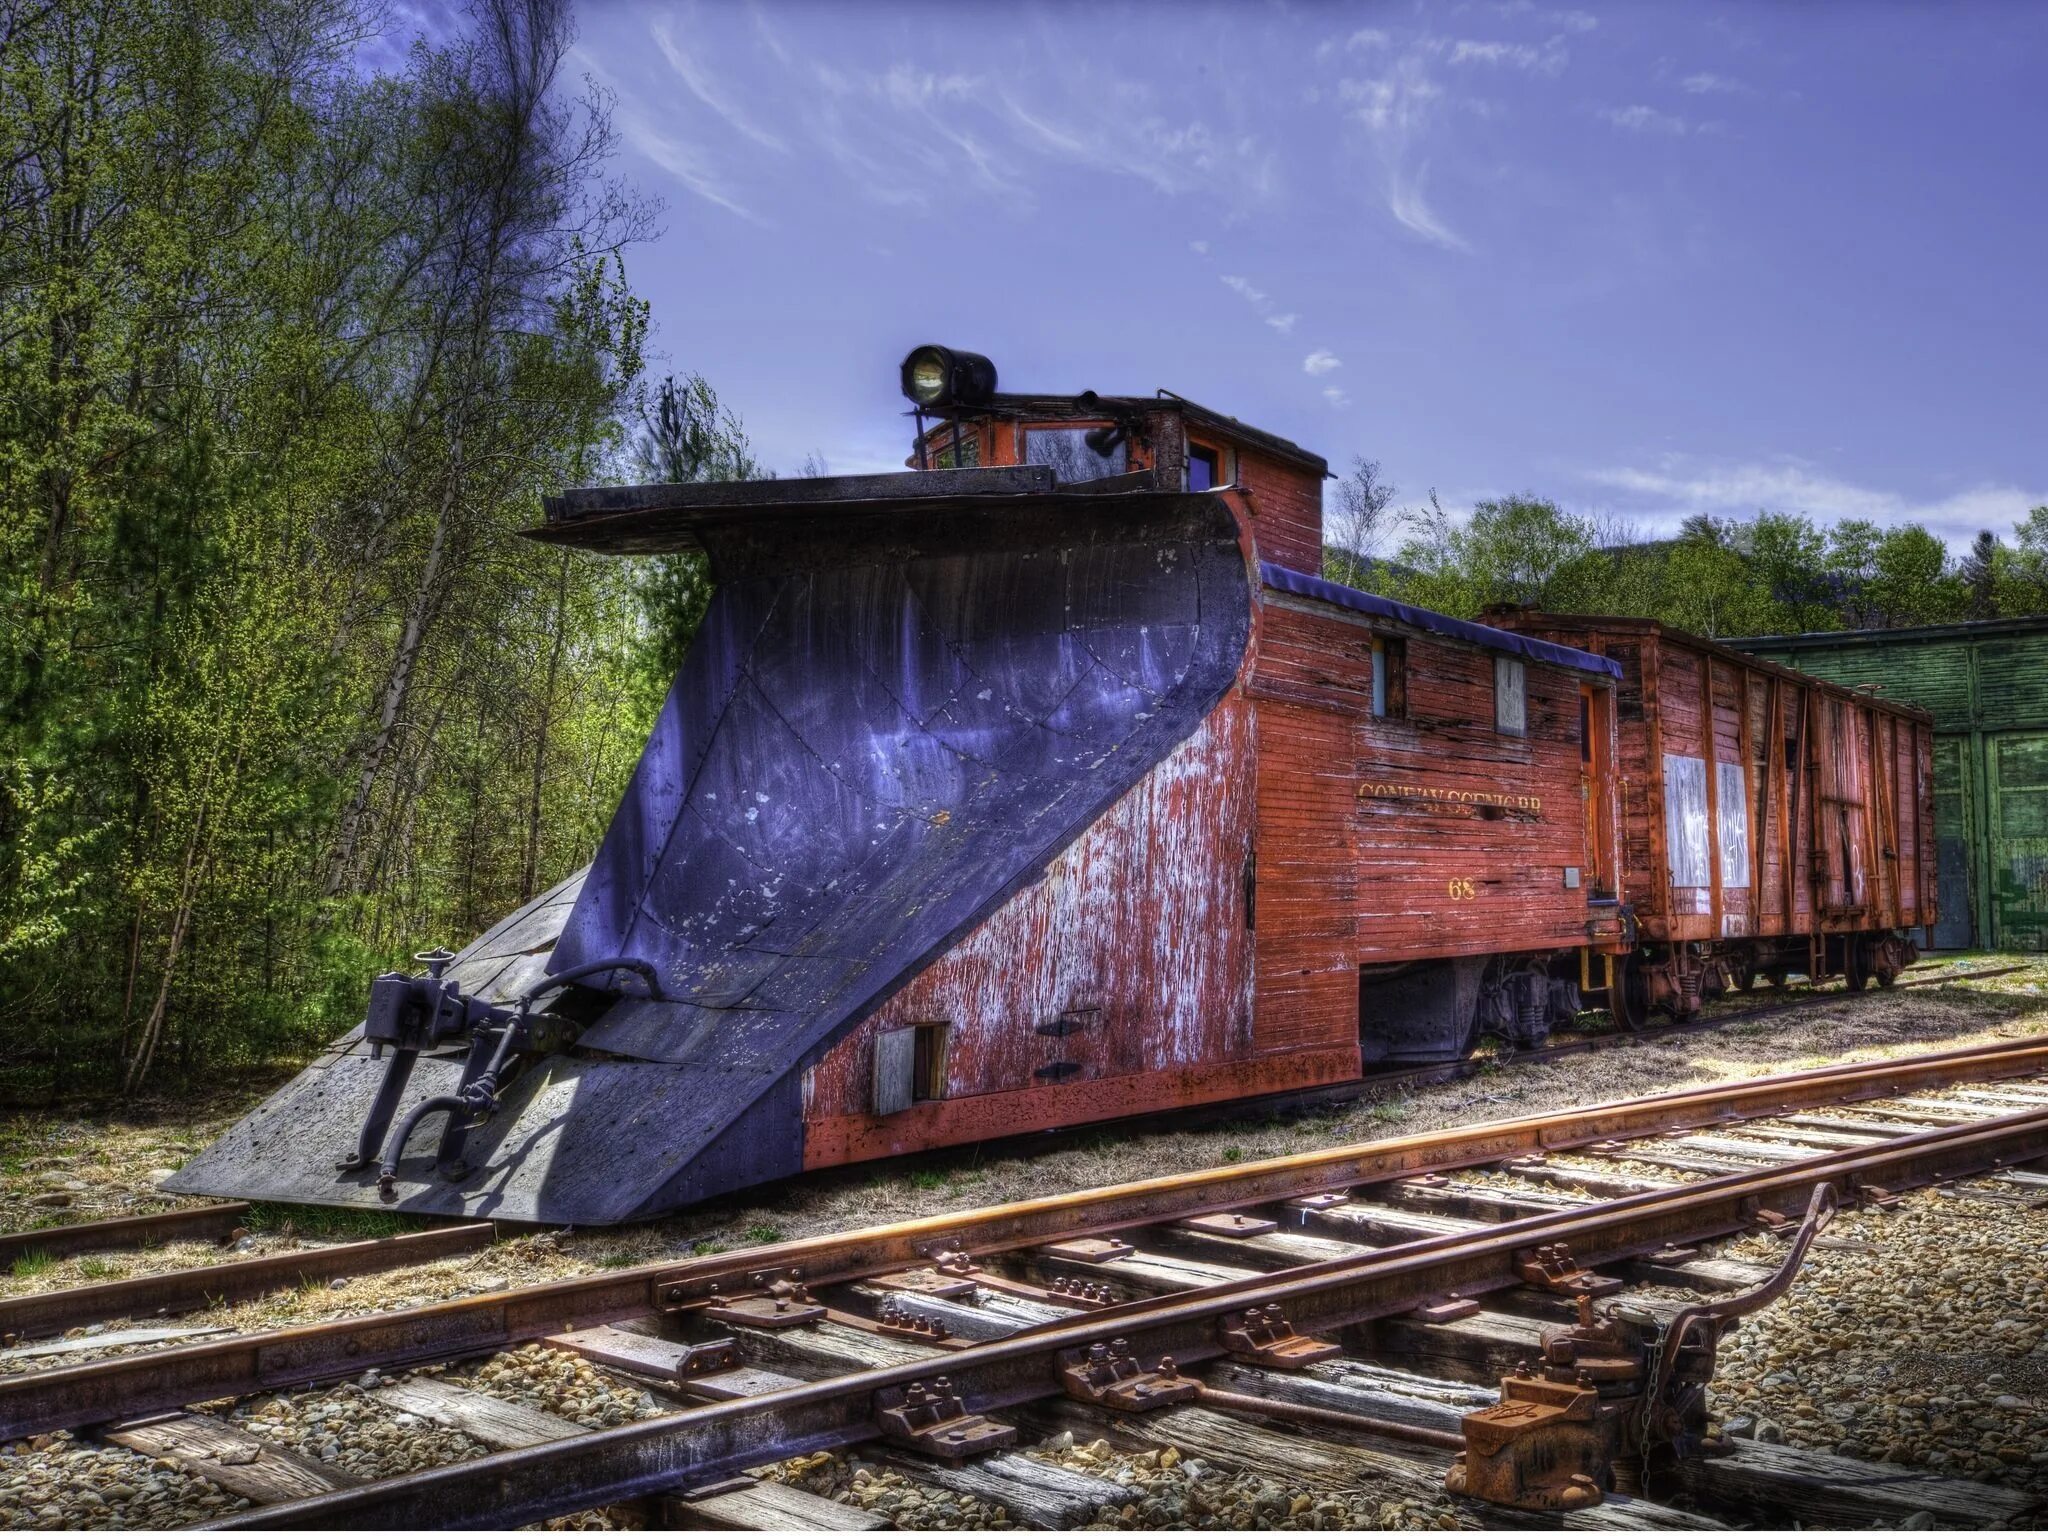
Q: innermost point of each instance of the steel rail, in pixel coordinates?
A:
(189, 1290)
(95, 1391)
(176, 1226)
(697, 1445)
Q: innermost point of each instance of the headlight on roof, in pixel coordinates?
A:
(936, 376)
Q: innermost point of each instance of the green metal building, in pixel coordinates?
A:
(1987, 686)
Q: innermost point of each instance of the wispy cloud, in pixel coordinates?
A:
(1336, 396)
(1284, 324)
(1706, 84)
(1243, 288)
(1199, 247)
(1363, 40)
(1549, 59)
(701, 83)
(688, 162)
(1405, 200)
(1118, 127)
(1685, 486)
(1394, 109)
(1642, 119)
(1321, 361)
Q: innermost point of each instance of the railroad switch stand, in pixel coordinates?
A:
(1616, 1400)
(929, 1416)
(1573, 1425)
(1264, 1336)
(1110, 1375)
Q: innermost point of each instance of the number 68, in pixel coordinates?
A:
(1463, 890)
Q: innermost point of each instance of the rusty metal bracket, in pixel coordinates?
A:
(709, 1358)
(780, 1301)
(929, 1416)
(1264, 1336)
(1552, 1268)
(1228, 1224)
(1111, 1375)
(1446, 1309)
(1089, 1250)
(950, 1259)
(925, 1282)
(1322, 1202)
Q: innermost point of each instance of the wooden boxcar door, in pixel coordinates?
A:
(1842, 835)
(2018, 818)
(1596, 788)
(1954, 837)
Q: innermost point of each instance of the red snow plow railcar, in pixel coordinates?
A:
(1044, 783)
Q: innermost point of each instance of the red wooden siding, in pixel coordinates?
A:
(1423, 834)
(1287, 510)
(1136, 936)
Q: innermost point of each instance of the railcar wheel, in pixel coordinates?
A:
(1629, 998)
(1856, 962)
(1742, 972)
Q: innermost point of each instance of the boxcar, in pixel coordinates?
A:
(1771, 822)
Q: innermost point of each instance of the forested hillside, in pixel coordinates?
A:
(1773, 573)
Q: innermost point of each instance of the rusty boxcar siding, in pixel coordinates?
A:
(1772, 822)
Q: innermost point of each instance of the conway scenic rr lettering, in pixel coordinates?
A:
(1380, 789)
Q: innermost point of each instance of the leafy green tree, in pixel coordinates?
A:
(290, 351)
(2020, 577)
(1787, 556)
(1912, 580)
(689, 436)
(1979, 575)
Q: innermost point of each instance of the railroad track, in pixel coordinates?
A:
(1457, 1245)
(186, 1290)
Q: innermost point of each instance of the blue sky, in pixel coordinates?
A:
(1645, 259)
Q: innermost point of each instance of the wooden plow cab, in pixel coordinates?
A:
(1034, 787)
(1772, 822)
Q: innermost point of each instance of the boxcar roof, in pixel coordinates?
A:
(1970, 629)
(1659, 630)
(1282, 579)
